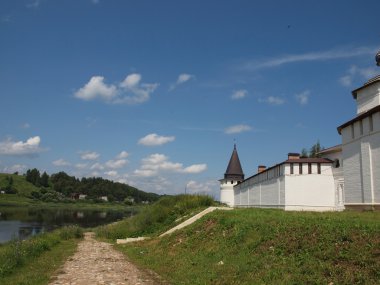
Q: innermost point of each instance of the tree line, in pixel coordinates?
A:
(63, 186)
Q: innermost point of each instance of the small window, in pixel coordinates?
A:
(352, 131)
(232, 182)
(291, 169)
(319, 168)
(300, 168)
(336, 163)
(309, 168)
(370, 123)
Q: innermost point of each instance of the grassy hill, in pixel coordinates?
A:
(23, 187)
(263, 246)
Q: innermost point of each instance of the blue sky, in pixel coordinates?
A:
(153, 93)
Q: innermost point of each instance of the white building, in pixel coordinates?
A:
(361, 149)
(294, 184)
(346, 176)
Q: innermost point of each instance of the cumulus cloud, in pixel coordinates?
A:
(97, 88)
(122, 155)
(14, 168)
(157, 163)
(354, 71)
(112, 173)
(129, 91)
(97, 166)
(272, 100)
(61, 162)
(115, 164)
(239, 94)
(202, 187)
(303, 97)
(182, 78)
(195, 168)
(236, 129)
(81, 165)
(30, 147)
(155, 139)
(89, 155)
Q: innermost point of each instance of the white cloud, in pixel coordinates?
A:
(154, 140)
(346, 80)
(122, 155)
(353, 72)
(237, 129)
(303, 97)
(96, 88)
(182, 78)
(81, 165)
(272, 100)
(311, 56)
(35, 4)
(14, 168)
(114, 164)
(207, 187)
(112, 173)
(30, 147)
(195, 168)
(89, 155)
(97, 166)
(61, 162)
(129, 91)
(239, 94)
(25, 126)
(156, 163)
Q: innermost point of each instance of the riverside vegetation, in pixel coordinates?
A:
(60, 188)
(253, 246)
(33, 261)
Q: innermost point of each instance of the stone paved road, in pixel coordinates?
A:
(98, 263)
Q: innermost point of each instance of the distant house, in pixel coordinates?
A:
(82, 196)
(74, 196)
(104, 198)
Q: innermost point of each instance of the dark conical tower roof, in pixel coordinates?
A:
(234, 170)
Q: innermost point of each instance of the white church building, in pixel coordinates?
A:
(345, 176)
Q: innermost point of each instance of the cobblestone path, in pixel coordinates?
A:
(97, 262)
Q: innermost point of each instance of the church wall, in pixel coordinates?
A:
(361, 160)
(311, 192)
(368, 98)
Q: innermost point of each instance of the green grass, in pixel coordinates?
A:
(23, 187)
(43, 267)
(33, 261)
(257, 246)
(156, 218)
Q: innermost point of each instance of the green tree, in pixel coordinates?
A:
(33, 176)
(44, 180)
(304, 153)
(315, 149)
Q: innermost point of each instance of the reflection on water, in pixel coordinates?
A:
(22, 223)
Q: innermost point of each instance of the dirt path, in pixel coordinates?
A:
(98, 263)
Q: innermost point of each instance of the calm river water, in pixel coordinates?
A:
(22, 223)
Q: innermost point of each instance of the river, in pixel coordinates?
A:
(22, 223)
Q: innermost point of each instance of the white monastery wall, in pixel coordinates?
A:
(314, 192)
(361, 156)
(368, 98)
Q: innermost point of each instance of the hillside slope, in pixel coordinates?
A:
(23, 187)
(257, 246)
